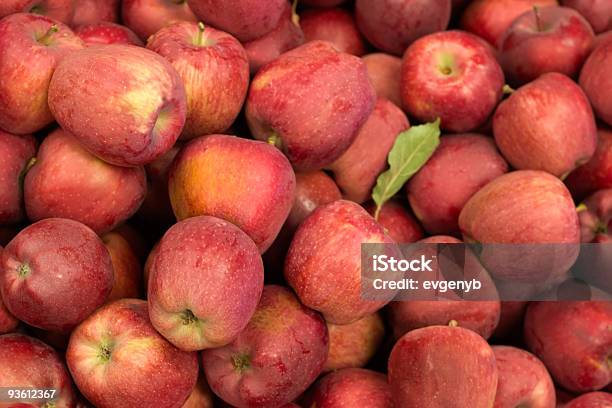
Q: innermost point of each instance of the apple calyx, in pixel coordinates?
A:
(47, 37)
(105, 351)
(241, 362)
(36, 9)
(23, 270)
(188, 318)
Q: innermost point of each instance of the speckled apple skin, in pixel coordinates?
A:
(596, 82)
(221, 282)
(60, 10)
(596, 174)
(323, 265)
(384, 71)
(26, 68)
(574, 341)
(95, 11)
(285, 344)
(215, 75)
(336, 26)
(29, 363)
(598, 399)
(126, 267)
(146, 17)
(70, 274)
(67, 181)
(313, 99)
(464, 98)
(16, 152)
(597, 12)
(357, 170)
(246, 182)
(143, 369)
(106, 33)
(135, 89)
(442, 367)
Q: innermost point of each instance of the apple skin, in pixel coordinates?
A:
(384, 71)
(214, 69)
(527, 51)
(596, 82)
(107, 33)
(56, 272)
(92, 12)
(8, 322)
(351, 387)
(201, 396)
(547, 125)
(471, 161)
(238, 164)
(322, 3)
(148, 115)
(60, 10)
(354, 345)
(275, 358)
(286, 36)
(397, 221)
(597, 12)
(16, 151)
(596, 174)
(146, 17)
(29, 363)
(455, 365)
(312, 128)
(591, 400)
(26, 67)
(323, 278)
(574, 341)
(522, 380)
(336, 26)
(357, 170)
(451, 75)
(221, 283)
(391, 25)
(247, 20)
(596, 217)
(489, 19)
(126, 267)
(117, 359)
(66, 181)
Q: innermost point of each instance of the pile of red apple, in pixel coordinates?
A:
(185, 186)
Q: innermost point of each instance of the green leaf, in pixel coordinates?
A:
(410, 152)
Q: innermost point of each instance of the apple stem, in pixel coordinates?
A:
(536, 11)
(507, 90)
(453, 323)
(295, 18)
(582, 207)
(377, 212)
(275, 140)
(201, 28)
(45, 38)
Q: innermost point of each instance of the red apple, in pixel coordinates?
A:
(117, 359)
(441, 366)
(596, 174)
(597, 12)
(126, 267)
(148, 114)
(221, 282)
(392, 25)
(8, 322)
(334, 25)
(146, 17)
(574, 341)
(591, 400)
(351, 387)
(286, 36)
(357, 170)
(470, 161)
(55, 273)
(201, 396)
(92, 12)
(329, 280)
(215, 70)
(29, 363)
(16, 151)
(490, 19)
(258, 184)
(107, 33)
(451, 75)
(551, 39)
(596, 82)
(66, 181)
(312, 128)
(247, 20)
(523, 380)
(278, 355)
(31, 47)
(354, 345)
(397, 221)
(384, 71)
(547, 125)
(60, 10)
(596, 217)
